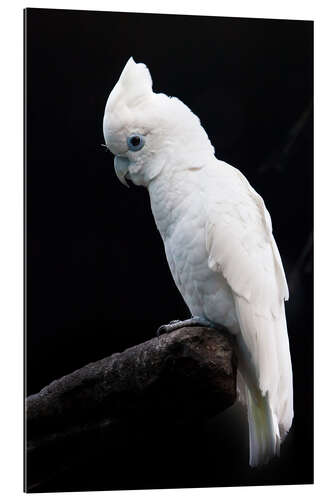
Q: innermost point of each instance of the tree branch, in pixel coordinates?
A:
(183, 376)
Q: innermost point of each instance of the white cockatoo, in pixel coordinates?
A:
(218, 242)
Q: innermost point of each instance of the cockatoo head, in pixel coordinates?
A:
(145, 131)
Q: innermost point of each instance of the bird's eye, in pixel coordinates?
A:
(135, 142)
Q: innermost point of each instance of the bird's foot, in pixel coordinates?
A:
(195, 321)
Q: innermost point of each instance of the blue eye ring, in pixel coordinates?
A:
(135, 142)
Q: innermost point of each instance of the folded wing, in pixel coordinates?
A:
(242, 248)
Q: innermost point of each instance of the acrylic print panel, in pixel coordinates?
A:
(97, 280)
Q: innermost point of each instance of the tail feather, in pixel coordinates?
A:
(265, 384)
(263, 430)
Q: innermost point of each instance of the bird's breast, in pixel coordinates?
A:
(181, 219)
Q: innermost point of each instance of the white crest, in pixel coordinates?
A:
(134, 84)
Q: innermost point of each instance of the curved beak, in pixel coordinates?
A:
(121, 165)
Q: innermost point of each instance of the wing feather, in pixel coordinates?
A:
(242, 248)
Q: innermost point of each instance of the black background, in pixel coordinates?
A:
(97, 280)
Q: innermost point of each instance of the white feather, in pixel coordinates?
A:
(242, 248)
(219, 245)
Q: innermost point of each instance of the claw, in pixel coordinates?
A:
(160, 330)
(195, 321)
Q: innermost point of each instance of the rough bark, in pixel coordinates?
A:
(183, 376)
